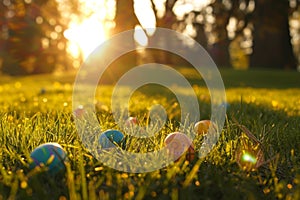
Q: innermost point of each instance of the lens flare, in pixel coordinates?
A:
(250, 159)
(247, 157)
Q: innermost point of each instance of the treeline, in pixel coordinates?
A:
(240, 33)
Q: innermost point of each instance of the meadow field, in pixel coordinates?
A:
(263, 110)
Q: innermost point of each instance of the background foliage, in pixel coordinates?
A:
(242, 34)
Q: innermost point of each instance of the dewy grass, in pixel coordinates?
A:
(38, 110)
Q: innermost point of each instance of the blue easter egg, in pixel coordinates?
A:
(50, 155)
(109, 137)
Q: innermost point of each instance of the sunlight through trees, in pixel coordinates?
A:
(44, 36)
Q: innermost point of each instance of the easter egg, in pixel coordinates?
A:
(132, 127)
(50, 155)
(178, 144)
(79, 112)
(202, 127)
(131, 122)
(109, 137)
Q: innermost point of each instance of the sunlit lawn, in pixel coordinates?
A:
(37, 109)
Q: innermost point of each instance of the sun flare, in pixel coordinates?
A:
(85, 37)
(89, 33)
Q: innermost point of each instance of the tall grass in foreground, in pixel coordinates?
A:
(32, 114)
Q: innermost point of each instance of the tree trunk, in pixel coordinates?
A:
(201, 36)
(166, 21)
(219, 50)
(125, 17)
(272, 46)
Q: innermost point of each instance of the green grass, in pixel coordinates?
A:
(37, 109)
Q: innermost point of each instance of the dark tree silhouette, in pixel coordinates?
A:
(217, 33)
(169, 18)
(125, 18)
(219, 49)
(272, 41)
(271, 36)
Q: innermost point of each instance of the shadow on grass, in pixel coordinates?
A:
(256, 78)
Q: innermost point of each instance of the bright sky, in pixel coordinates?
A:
(86, 35)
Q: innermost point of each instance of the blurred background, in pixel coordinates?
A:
(55, 36)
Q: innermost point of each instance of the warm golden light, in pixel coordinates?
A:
(86, 31)
(85, 37)
(89, 33)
